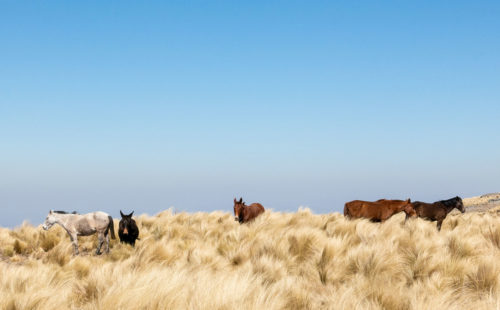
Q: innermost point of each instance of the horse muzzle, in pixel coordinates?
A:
(45, 227)
(236, 218)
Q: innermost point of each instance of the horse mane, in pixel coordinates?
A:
(64, 212)
(450, 202)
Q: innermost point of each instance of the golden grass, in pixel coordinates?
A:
(280, 261)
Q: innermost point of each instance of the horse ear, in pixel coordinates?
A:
(234, 200)
(241, 199)
(51, 211)
(131, 214)
(408, 200)
(121, 213)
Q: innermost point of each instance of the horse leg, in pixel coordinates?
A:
(107, 243)
(100, 236)
(439, 222)
(74, 240)
(407, 217)
(383, 217)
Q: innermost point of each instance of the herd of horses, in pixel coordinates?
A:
(377, 211)
(381, 210)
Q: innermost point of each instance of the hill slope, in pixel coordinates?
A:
(482, 203)
(281, 261)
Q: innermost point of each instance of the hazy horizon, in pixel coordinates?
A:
(109, 106)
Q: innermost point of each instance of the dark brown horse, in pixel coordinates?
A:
(438, 210)
(244, 213)
(378, 211)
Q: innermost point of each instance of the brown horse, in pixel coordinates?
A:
(379, 210)
(244, 213)
(438, 210)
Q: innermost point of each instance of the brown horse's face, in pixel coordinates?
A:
(410, 211)
(238, 209)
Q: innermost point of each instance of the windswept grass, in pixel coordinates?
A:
(280, 261)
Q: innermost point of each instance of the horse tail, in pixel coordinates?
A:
(111, 227)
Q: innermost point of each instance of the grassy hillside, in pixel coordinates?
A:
(281, 261)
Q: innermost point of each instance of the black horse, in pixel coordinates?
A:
(438, 210)
(128, 230)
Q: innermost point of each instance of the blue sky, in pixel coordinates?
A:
(143, 106)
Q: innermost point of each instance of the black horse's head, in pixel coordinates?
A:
(126, 222)
(455, 202)
(459, 204)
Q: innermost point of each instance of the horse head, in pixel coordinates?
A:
(239, 205)
(125, 222)
(50, 220)
(459, 204)
(409, 209)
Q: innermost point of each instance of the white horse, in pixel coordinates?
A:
(83, 225)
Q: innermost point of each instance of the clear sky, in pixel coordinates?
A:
(109, 105)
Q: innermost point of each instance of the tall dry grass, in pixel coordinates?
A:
(280, 261)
